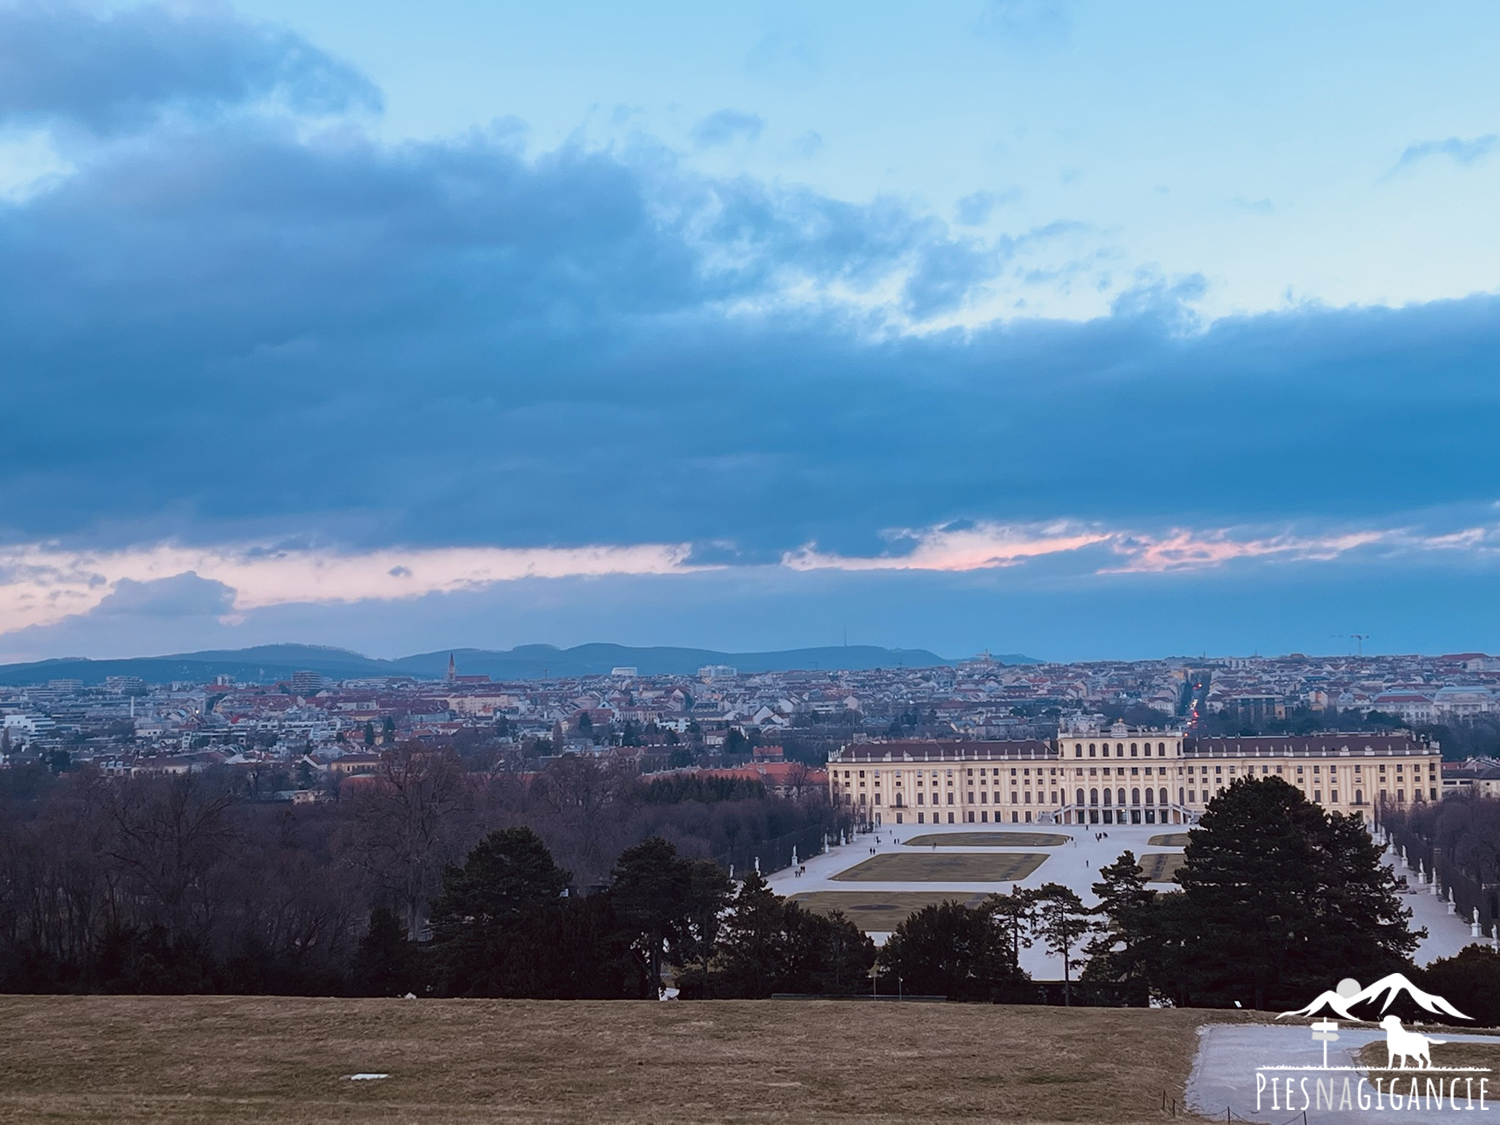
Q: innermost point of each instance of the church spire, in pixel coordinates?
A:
(452, 668)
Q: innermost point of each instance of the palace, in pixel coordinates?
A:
(1121, 775)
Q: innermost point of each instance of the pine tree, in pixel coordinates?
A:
(386, 963)
(481, 919)
(951, 950)
(1121, 950)
(1279, 901)
(1061, 923)
(753, 940)
(651, 892)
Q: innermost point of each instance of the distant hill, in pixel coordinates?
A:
(261, 664)
(269, 663)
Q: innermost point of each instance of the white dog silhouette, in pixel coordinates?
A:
(1403, 1044)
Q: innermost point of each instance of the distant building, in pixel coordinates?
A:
(624, 672)
(1121, 775)
(306, 683)
(1256, 709)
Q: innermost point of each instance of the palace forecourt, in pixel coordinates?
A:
(1121, 775)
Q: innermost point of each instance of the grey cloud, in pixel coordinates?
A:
(725, 126)
(182, 595)
(267, 336)
(105, 71)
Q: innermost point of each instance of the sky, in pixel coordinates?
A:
(1085, 330)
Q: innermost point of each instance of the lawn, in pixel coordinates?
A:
(960, 867)
(1159, 867)
(987, 840)
(1169, 840)
(184, 1060)
(880, 912)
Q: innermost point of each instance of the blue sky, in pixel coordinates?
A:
(1086, 330)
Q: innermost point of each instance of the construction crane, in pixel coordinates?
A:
(1358, 638)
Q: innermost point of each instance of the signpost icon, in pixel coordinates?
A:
(1324, 1030)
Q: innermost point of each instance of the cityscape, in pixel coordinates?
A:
(720, 715)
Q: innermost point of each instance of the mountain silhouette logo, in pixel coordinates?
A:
(1349, 995)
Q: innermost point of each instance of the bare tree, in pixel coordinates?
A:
(412, 819)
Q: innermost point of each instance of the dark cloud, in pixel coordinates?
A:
(261, 332)
(725, 126)
(107, 71)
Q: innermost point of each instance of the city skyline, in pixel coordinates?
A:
(1023, 326)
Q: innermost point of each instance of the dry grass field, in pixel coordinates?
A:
(1169, 840)
(197, 1060)
(880, 912)
(988, 840)
(937, 867)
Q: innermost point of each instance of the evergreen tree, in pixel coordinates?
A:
(1279, 901)
(1061, 923)
(953, 951)
(1122, 948)
(753, 940)
(1471, 979)
(1014, 915)
(651, 892)
(386, 963)
(708, 890)
(482, 919)
(823, 956)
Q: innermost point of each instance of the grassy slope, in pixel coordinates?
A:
(128, 1059)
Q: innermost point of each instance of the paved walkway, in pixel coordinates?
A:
(1225, 1069)
(1074, 864)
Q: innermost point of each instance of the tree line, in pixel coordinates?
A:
(189, 884)
(178, 885)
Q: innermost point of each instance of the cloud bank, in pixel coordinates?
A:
(252, 349)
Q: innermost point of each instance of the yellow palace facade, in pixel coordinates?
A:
(1120, 775)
